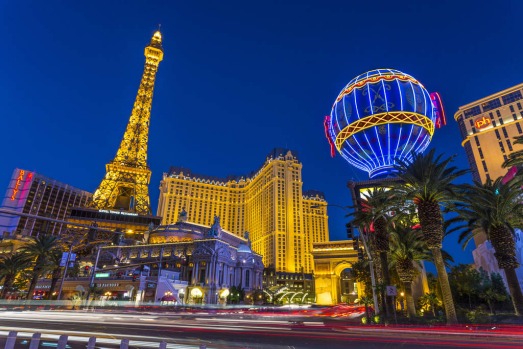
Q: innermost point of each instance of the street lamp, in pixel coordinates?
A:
(367, 250)
(69, 254)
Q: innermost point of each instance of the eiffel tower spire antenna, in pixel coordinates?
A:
(126, 182)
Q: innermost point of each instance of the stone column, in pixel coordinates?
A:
(195, 272)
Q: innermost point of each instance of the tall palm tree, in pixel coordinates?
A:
(374, 211)
(515, 158)
(55, 269)
(407, 251)
(427, 181)
(10, 266)
(493, 208)
(40, 250)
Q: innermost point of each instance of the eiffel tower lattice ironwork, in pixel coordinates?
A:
(126, 182)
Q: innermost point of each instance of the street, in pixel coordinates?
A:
(222, 331)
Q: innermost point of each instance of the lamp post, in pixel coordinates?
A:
(371, 261)
(93, 273)
(65, 272)
(371, 266)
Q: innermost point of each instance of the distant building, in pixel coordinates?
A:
(288, 287)
(283, 221)
(184, 263)
(34, 194)
(488, 127)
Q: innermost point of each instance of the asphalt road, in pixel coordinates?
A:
(184, 331)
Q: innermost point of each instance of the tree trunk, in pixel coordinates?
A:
(492, 312)
(8, 283)
(56, 276)
(386, 280)
(32, 285)
(411, 307)
(446, 293)
(515, 290)
(380, 291)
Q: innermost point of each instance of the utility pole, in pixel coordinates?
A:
(93, 273)
(371, 266)
(65, 271)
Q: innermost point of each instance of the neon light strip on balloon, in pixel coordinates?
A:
(412, 126)
(374, 79)
(358, 162)
(355, 139)
(371, 105)
(384, 118)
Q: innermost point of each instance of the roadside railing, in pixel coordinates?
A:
(63, 339)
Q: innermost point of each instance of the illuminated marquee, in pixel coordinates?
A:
(482, 122)
(119, 212)
(19, 180)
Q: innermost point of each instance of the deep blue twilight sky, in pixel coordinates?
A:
(238, 79)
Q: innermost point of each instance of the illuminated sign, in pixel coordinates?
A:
(482, 122)
(18, 181)
(441, 118)
(102, 275)
(326, 126)
(119, 212)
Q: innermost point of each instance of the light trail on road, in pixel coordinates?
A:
(221, 331)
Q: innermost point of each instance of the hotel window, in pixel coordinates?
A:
(518, 126)
(484, 166)
(509, 145)
(519, 106)
(472, 112)
(492, 104)
(501, 147)
(511, 108)
(505, 132)
(512, 97)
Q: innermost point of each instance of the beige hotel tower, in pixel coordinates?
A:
(488, 127)
(283, 221)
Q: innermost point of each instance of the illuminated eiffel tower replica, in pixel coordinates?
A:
(121, 202)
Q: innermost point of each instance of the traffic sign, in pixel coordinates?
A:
(391, 291)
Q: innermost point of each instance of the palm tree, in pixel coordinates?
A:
(374, 211)
(493, 208)
(430, 300)
(427, 181)
(40, 250)
(56, 270)
(515, 158)
(10, 266)
(408, 249)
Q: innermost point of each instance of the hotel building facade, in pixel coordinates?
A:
(283, 221)
(34, 194)
(488, 127)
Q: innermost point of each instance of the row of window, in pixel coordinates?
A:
(493, 104)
